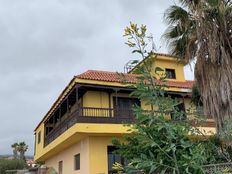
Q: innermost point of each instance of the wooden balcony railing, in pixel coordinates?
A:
(90, 115)
(99, 115)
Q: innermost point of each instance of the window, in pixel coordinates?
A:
(181, 110)
(113, 158)
(77, 162)
(170, 73)
(60, 167)
(39, 137)
(124, 106)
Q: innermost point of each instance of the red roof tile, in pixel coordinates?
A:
(129, 78)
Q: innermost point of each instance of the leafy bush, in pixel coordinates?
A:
(11, 165)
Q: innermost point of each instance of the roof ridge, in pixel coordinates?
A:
(165, 54)
(104, 71)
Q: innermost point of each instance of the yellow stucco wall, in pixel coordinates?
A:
(93, 156)
(98, 149)
(166, 63)
(96, 99)
(39, 146)
(75, 134)
(163, 62)
(100, 99)
(67, 157)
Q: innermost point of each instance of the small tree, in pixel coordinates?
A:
(157, 144)
(15, 150)
(19, 150)
(22, 148)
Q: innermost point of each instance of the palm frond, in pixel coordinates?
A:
(213, 3)
(178, 33)
(176, 14)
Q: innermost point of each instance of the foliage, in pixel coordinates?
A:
(216, 151)
(202, 30)
(51, 171)
(11, 165)
(196, 97)
(158, 144)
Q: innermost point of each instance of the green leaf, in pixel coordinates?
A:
(153, 168)
(158, 69)
(137, 51)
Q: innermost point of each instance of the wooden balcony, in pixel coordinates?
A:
(103, 116)
(90, 115)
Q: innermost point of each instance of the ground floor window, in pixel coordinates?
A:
(181, 109)
(113, 158)
(60, 167)
(77, 162)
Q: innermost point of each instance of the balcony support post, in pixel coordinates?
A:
(116, 96)
(67, 105)
(116, 105)
(109, 97)
(60, 114)
(77, 101)
(53, 120)
(77, 93)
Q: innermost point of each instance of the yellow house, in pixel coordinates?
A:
(75, 135)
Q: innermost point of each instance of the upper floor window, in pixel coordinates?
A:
(124, 102)
(123, 106)
(170, 73)
(39, 137)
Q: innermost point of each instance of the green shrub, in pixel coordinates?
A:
(11, 165)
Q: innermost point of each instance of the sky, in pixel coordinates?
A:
(44, 43)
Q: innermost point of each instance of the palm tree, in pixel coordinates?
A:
(22, 148)
(15, 150)
(202, 30)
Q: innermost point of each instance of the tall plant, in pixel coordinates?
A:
(157, 144)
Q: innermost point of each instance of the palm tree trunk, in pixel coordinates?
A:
(15, 153)
(213, 70)
(215, 84)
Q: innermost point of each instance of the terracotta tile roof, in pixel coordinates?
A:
(129, 78)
